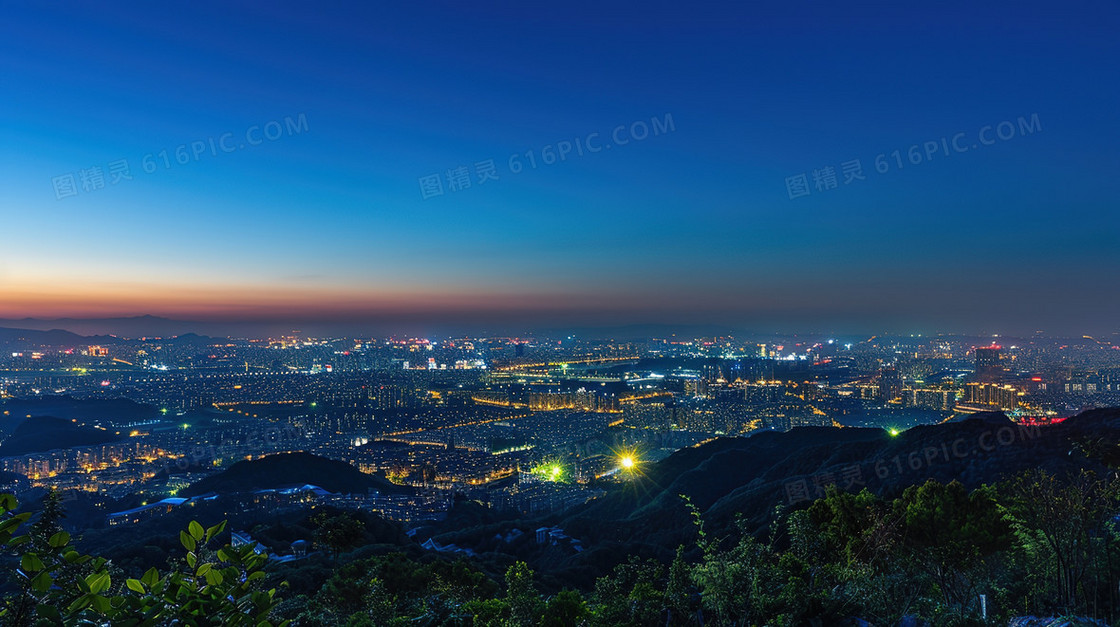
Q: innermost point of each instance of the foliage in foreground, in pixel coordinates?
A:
(1034, 545)
(55, 584)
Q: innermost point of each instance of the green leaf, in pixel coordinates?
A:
(134, 585)
(189, 542)
(214, 577)
(81, 602)
(31, 563)
(42, 582)
(101, 604)
(98, 582)
(216, 529)
(150, 578)
(49, 612)
(12, 523)
(59, 540)
(196, 530)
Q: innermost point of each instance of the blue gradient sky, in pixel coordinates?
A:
(694, 225)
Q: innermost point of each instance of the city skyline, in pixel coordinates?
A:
(580, 314)
(857, 170)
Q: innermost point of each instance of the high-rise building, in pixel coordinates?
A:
(890, 384)
(387, 396)
(929, 398)
(997, 396)
(988, 367)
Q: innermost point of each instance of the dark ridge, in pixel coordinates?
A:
(749, 478)
(39, 434)
(292, 469)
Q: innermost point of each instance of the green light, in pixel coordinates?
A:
(186, 426)
(552, 471)
(894, 432)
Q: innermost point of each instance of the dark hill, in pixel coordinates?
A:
(52, 337)
(749, 477)
(7, 477)
(290, 469)
(44, 433)
(112, 411)
(98, 328)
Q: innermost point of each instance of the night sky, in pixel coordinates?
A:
(706, 221)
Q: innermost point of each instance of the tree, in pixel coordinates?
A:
(49, 521)
(1069, 524)
(338, 533)
(566, 609)
(632, 594)
(949, 533)
(488, 612)
(521, 595)
(678, 590)
(846, 526)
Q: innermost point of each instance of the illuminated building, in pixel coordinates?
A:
(929, 398)
(988, 368)
(890, 385)
(993, 395)
(387, 396)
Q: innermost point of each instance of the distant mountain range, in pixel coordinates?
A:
(52, 337)
(24, 338)
(155, 326)
(132, 327)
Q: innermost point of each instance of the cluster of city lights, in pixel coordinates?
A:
(550, 471)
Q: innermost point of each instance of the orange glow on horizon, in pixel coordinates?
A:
(51, 299)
